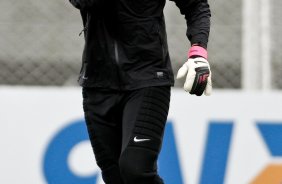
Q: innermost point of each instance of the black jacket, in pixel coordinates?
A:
(125, 41)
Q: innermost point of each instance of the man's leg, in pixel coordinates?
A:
(144, 118)
(104, 129)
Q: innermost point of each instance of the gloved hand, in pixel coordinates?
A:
(197, 72)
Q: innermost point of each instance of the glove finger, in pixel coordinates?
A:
(182, 72)
(208, 89)
(189, 80)
(200, 81)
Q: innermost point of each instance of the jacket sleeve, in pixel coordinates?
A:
(83, 4)
(197, 14)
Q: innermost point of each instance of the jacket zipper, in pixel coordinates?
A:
(117, 65)
(116, 52)
(161, 40)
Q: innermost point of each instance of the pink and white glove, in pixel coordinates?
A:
(197, 72)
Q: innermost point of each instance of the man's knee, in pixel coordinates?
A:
(138, 166)
(130, 172)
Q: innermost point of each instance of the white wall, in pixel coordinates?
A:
(30, 118)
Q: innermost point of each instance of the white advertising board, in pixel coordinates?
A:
(231, 137)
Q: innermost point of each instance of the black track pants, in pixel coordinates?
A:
(126, 131)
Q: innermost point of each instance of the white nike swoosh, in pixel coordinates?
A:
(140, 140)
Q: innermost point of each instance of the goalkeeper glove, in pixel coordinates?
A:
(197, 72)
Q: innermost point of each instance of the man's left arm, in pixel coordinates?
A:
(83, 4)
(196, 69)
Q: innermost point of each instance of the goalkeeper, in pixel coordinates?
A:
(126, 77)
